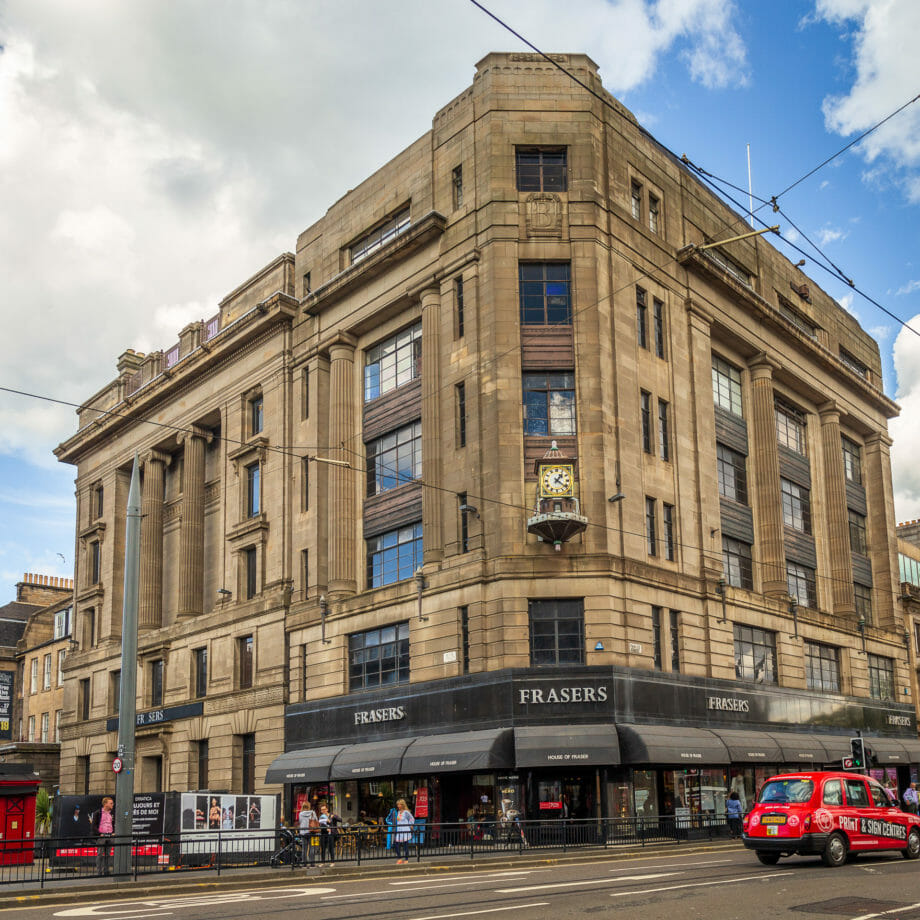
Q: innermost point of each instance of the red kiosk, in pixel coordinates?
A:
(18, 789)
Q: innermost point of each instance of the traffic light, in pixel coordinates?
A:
(871, 759)
(857, 752)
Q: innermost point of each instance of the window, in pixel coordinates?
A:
(461, 414)
(641, 318)
(790, 427)
(736, 563)
(796, 505)
(62, 623)
(852, 465)
(83, 774)
(392, 363)
(674, 633)
(95, 562)
(465, 638)
(862, 598)
(378, 657)
(156, 682)
(45, 727)
(853, 363)
(549, 404)
(33, 676)
(255, 415)
(46, 672)
(728, 265)
(881, 677)
(800, 583)
(667, 527)
(544, 293)
(201, 672)
(61, 655)
(658, 320)
(253, 492)
(57, 725)
(203, 756)
(656, 636)
(31, 735)
(635, 199)
(98, 501)
(822, 667)
(456, 185)
(541, 169)
(394, 459)
(248, 764)
(244, 650)
(801, 322)
(557, 632)
(114, 691)
(458, 301)
(380, 236)
(645, 410)
(726, 386)
(305, 286)
(250, 572)
(651, 533)
(664, 431)
(89, 628)
(732, 474)
(305, 570)
(394, 556)
(654, 208)
(856, 793)
(84, 696)
(305, 394)
(305, 484)
(464, 523)
(857, 525)
(755, 654)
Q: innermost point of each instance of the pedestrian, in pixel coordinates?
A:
(733, 813)
(404, 822)
(104, 829)
(308, 826)
(329, 823)
(912, 799)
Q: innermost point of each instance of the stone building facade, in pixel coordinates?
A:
(510, 488)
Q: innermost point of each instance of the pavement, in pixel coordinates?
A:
(192, 882)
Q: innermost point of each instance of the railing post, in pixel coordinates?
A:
(219, 853)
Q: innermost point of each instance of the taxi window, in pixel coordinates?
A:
(786, 791)
(879, 796)
(833, 792)
(856, 793)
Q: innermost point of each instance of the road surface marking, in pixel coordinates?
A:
(721, 881)
(595, 881)
(472, 913)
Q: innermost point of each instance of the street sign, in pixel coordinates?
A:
(848, 763)
(117, 764)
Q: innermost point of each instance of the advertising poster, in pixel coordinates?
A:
(6, 704)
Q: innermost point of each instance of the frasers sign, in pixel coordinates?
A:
(539, 695)
(728, 703)
(373, 716)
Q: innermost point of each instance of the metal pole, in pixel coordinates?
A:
(127, 699)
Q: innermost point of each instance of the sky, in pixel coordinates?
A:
(155, 154)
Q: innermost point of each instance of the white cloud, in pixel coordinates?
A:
(909, 288)
(904, 430)
(831, 235)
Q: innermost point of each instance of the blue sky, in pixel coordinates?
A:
(153, 155)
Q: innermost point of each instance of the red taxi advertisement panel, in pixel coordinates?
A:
(830, 815)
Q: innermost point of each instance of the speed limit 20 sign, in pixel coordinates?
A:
(117, 764)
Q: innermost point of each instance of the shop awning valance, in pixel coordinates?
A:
(306, 766)
(750, 746)
(565, 745)
(666, 744)
(460, 751)
(801, 749)
(370, 760)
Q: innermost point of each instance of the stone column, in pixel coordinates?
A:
(765, 456)
(191, 533)
(433, 538)
(838, 528)
(881, 530)
(342, 481)
(150, 602)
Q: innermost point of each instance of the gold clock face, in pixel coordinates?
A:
(556, 480)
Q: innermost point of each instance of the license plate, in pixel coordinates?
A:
(772, 830)
(773, 819)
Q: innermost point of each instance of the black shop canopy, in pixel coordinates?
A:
(478, 751)
(309, 766)
(749, 746)
(566, 745)
(669, 744)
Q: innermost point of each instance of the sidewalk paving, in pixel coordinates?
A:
(197, 882)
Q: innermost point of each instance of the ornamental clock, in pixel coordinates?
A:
(556, 480)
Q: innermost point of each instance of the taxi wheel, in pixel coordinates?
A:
(768, 859)
(835, 851)
(912, 850)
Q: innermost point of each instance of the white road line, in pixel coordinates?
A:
(490, 910)
(428, 887)
(885, 913)
(477, 876)
(594, 881)
(721, 881)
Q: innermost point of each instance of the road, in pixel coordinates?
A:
(717, 885)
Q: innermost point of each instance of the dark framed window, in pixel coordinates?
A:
(801, 322)
(755, 654)
(822, 667)
(248, 764)
(790, 427)
(732, 470)
(203, 755)
(305, 285)
(651, 527)
(635, 199)
(378, 657)
(250, 572)
(244, 658)
(658, 324)
(98, 501)
(253, 489)
(393, 362)
(796, 505)
(654, 213)
(95, 562)
(667, 531)
(881, 677)
(394, 556)
(394, 459)
(541, 169)
(380, 236)
(305, 570)
(645, 412)
(656, 637)
(544, 293)
(256, 419)
(464, 523)
(201, 672)
(737, 564)
(83, 773)
(549, 404)
(862, 598)
(465, 638)
(459, 304)
(641, 318)
(557, 632)
(305, 484)
(800, 583)
(305, 394)
(156, 682)
(89, 627)
(456, 186)
(461, 414)
(726, 386)
(114, 691)
(852, 460)
(674, 635)
(664, 431)
(854, 364)
(857, 527)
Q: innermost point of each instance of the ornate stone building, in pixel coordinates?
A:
(512, 487)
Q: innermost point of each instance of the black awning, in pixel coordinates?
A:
(566, 745)
(750, 746)
(479, 750)
(666, 744)
(306, 766)
(887, 750)
(369, 760)
(801, 749)
(912, 748)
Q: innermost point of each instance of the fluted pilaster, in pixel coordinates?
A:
(191, 533)
(838, 529)
(431, 425)
(342, 560)
(150, 602)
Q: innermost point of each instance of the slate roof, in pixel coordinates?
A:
(13, 618)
